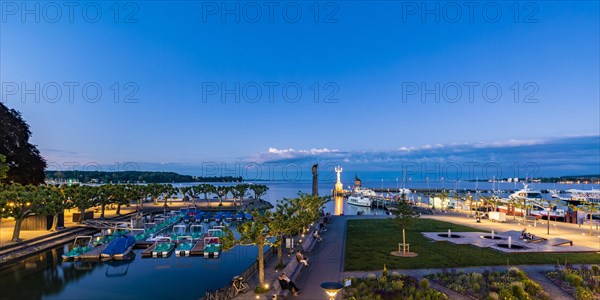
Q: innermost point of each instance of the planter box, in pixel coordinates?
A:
(88, 215)
(41, 222)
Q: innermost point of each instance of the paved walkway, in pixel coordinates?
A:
(326, 261)
(579, 234)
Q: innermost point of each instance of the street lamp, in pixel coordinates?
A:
(331, 288)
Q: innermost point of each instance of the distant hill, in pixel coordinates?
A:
(132, 177)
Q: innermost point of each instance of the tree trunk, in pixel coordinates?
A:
(54, 222)
(403, 241)
(280, 252)
(17, 230)
(102, 213)
(261, 264)
(81, 215)
(142, 203)
(591, 222)
(118, 209)
(155, 199)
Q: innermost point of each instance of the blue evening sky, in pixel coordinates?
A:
(376, 65)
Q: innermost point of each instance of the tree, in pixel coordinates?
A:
(19, 202)
(257, 232)
(222, 192)
(185, 191)
(405, 216)
(106, 195)
(590, 208)
(141, 193)
(259, 190)
(3, 167)
(154, 190)
(167, 190)
(282, 224)
(81, 197)
(26, 165)
(443, 199)
(240, 191)
(54, 203)
(123, 196)
(205, 189)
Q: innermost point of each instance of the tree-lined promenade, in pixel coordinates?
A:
(22, 201)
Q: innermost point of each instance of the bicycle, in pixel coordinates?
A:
(219, 294)
(238, 285)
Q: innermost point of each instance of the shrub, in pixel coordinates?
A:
(596, 269)
(573, 279)
(583, 294)
(517, 289)
(513, 271)
(424, 283)
(492, 296)
(395, 274)
(505, 294)
(371, 276)
(476, 288)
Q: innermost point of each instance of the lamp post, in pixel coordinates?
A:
(331, 288)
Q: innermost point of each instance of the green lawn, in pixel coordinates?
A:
(369, 243)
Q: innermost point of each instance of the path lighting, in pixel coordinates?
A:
(331, 288)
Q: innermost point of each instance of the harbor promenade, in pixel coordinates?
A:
(327, 258)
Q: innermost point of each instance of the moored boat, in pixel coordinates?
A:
(81, 245)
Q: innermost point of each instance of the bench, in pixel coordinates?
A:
(403, 248)
(535, 239)
(559, 242)
(293, 268)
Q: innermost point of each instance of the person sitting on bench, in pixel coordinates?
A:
(301, 259)
(287, 284)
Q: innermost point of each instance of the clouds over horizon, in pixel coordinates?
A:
(571, 155)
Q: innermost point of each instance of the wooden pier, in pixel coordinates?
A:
(198, 249)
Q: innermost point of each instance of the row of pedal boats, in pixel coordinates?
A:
(185, 239)
(191, 215)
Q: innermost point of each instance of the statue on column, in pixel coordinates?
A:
(315, 180)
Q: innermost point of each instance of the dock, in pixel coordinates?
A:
(198, 249)
(93, 254)
(148, 252)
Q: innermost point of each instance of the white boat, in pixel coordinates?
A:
(585, 195)
(360, 200)
(364, 192)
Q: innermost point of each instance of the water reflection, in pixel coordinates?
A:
(44, 276)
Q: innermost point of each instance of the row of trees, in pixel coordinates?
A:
(21, 201)
(134, 177)
(290, 217)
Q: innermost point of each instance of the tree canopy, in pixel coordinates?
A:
(26, 165)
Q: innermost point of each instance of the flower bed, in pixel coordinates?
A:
(513, 284)
(393, 286)
(582, 283)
